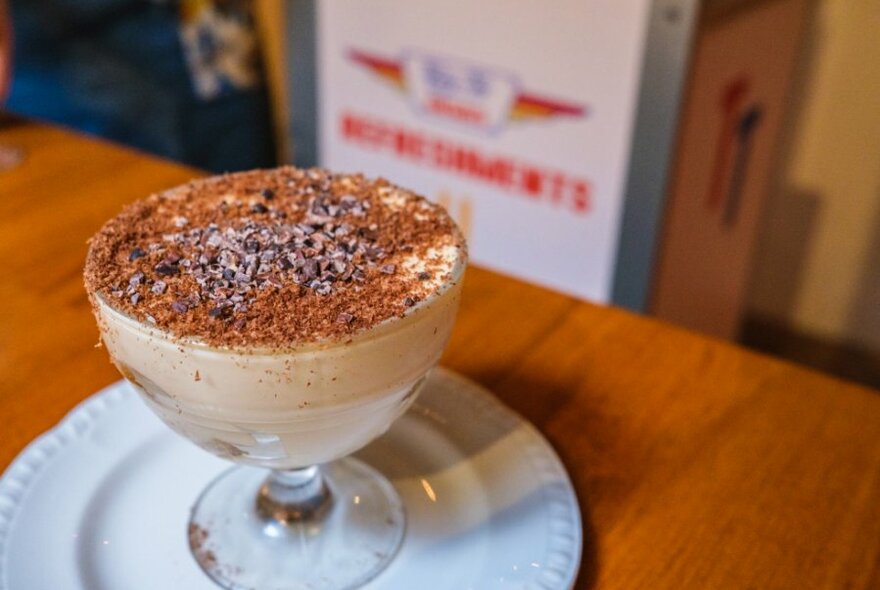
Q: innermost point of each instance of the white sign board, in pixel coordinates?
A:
(517, 115)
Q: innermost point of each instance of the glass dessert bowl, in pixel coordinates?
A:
(296, 512)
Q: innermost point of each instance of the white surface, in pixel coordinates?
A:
(102, 501)
(584, 53)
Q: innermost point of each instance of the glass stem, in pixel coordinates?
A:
(292, 497)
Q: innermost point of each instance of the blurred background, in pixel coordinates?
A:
(715, 164)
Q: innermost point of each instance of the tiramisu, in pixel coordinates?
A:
(279, 317)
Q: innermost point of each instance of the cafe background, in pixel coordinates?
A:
(794, 269)
(728, 149)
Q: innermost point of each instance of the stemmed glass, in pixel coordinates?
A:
(296, 512)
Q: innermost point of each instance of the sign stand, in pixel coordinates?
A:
(664, 69)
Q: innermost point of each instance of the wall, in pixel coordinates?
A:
(817, 265)
(271, 19)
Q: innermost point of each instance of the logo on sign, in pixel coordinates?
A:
(740, 121)
(463, 93)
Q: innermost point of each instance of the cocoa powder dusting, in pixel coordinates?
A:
(273, 258)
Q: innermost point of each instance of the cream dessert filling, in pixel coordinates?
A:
(284, 408)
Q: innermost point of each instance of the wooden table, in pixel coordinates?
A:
(697, 464)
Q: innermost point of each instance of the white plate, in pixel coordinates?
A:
(101, 501)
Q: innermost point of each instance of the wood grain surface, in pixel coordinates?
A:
(697, 464)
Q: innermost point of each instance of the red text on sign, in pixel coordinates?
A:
(536, 182)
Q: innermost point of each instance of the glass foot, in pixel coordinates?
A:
(332, 528)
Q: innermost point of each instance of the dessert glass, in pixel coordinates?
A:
(316, 518)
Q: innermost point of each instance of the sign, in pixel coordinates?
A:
(741, 75)
(515, 115)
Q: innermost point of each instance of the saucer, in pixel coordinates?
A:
(101, 502)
